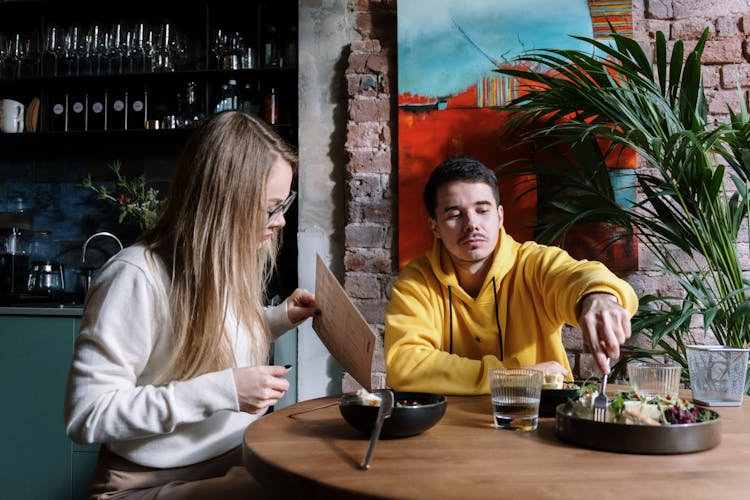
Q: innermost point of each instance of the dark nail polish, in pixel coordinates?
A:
(287, 366)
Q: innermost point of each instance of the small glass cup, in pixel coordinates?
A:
(653, 379)
(515, 398)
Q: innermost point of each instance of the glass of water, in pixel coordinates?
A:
(515, 398)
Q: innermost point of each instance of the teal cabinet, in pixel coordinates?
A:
(37, 460)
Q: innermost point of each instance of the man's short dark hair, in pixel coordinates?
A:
(457, 169)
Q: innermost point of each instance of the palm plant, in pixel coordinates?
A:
(693, 176)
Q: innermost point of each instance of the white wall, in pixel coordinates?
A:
(324, 35)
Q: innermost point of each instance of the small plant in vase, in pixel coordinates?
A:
(134, 198)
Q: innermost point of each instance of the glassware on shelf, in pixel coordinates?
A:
(16, 56)
(137, 49)
(116, 43)
(77, 49)
(273, 53)
(230, 51)
(163, 54)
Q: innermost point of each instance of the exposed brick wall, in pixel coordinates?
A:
(371, 233)
(370, 259)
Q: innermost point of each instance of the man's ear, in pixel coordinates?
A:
(500, 214)
(434, 227)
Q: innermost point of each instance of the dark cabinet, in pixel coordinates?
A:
(129, 81)
(37, 459)
(144, 65)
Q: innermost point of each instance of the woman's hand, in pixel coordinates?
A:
(259, 387)
(300, 305)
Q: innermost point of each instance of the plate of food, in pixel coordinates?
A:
(637, 424)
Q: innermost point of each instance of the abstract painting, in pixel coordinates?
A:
(449, 98)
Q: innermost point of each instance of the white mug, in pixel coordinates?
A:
(11, 116)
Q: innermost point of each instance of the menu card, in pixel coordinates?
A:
(341, 327)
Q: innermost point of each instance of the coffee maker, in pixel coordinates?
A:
(14, 263)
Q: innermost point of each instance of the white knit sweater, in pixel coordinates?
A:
(121, 347)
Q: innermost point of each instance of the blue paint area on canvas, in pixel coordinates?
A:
(624, 182)
(436, 59)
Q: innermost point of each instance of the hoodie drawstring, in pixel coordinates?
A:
(450, 317)
(497, 318)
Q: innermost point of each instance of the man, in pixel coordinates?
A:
(480, 300)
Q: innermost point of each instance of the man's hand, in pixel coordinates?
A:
(605, 325)
(550, 368)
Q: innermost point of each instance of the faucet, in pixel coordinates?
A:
(103, 233)
(84, 279)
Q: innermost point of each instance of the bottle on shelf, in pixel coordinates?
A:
(290, 54)
(229, 97)
(270, 107)
(77, 110)
(137, 109)
(189, 112)
(96, 118)
(249, 98)
(273, 55)
(118, 110)
(58, 112)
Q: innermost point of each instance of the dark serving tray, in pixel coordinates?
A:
(629, 438)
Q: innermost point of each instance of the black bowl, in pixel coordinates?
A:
(553, 397)
(404, 420)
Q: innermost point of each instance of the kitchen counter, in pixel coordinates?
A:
(52, 309)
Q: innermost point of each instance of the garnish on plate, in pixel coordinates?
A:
(630, 407)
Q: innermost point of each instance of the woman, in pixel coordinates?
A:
(170, 361)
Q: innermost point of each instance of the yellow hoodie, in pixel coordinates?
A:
(440, 339)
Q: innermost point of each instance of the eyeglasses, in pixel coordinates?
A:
(281, 208)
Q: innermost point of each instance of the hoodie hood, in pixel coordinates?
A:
(503, 259)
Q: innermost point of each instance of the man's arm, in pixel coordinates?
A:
(605, 325)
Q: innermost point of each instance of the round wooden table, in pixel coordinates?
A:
(307, 450)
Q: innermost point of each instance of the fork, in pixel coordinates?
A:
(601, 401)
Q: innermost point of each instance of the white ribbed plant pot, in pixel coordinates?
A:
(717, 374)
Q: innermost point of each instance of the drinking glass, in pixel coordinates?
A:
(653, 379)
(515, 398)
(137, 50)
(14, 53)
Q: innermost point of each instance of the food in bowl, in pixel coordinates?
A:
(553, 381)
(420, 412)
(632, 407)
(366, 398)
(551, 397)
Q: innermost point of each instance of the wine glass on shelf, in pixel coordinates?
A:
(162, 54)
(3, 52)
(12, 64)
(30, 55)
(53, 50)
(72, 49)
(137, 49)
(114, 54)
(90, 54)
(219, 47)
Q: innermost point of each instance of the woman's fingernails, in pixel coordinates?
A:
(287, 366)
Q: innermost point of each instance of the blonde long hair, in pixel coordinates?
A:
(209, 235)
